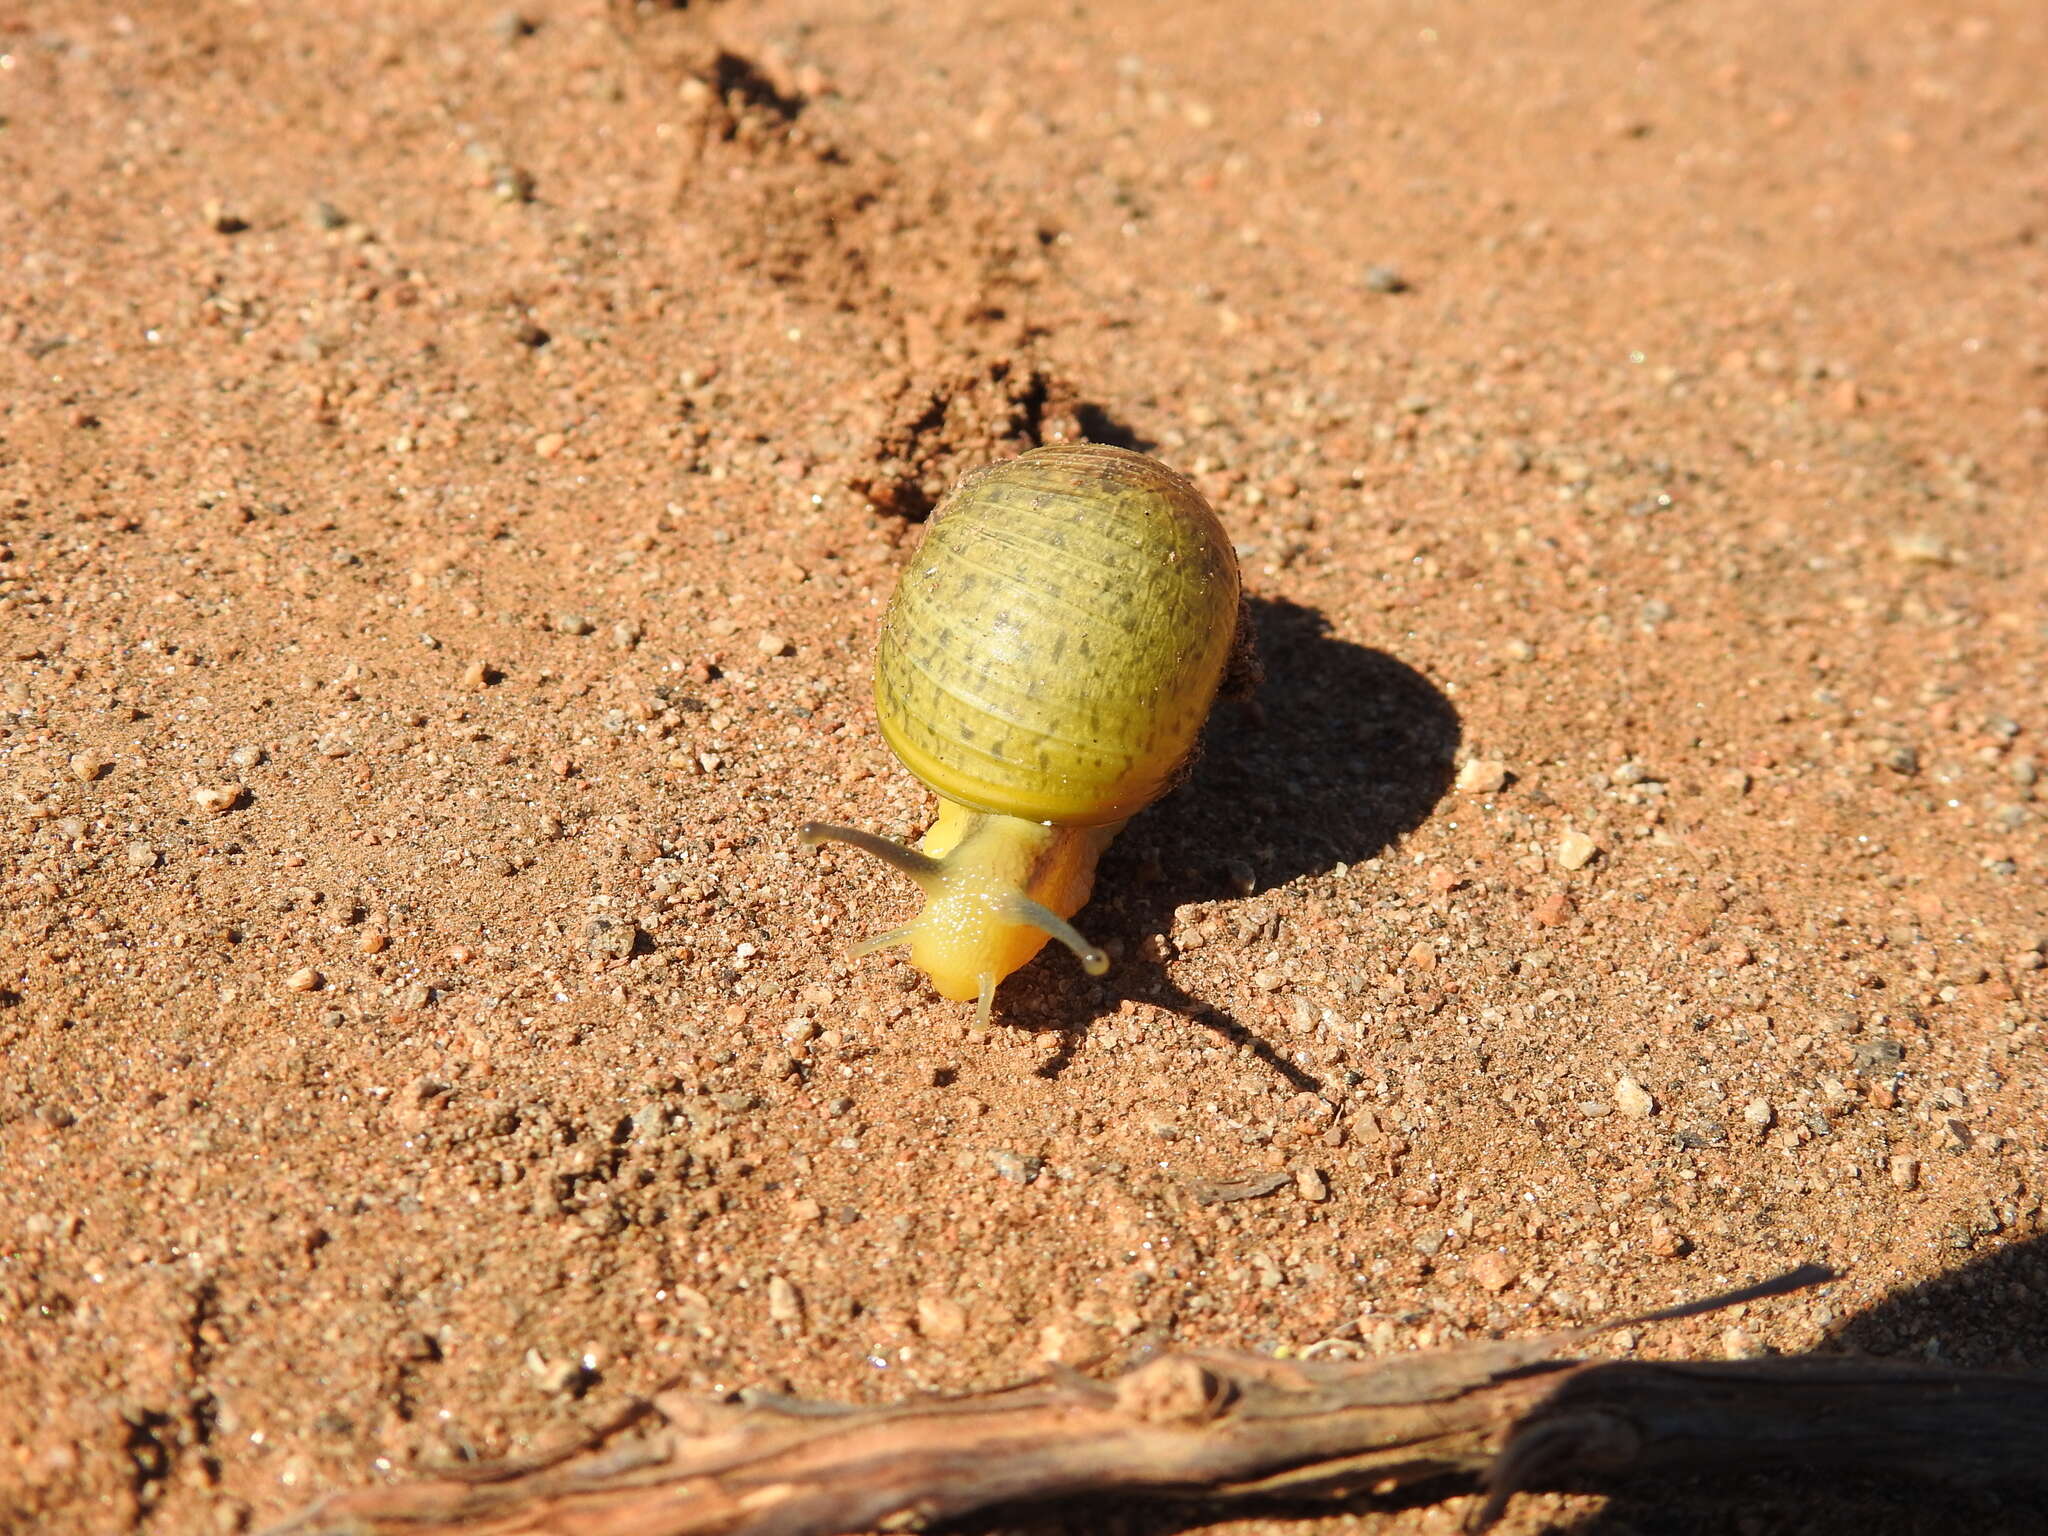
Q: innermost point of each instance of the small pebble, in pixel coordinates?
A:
(305, 979)
(421, 1090)
(1905, 1172)
(217, 799)
(1018, 1170)
(1493, 1271)
(1311, 1185)
(372, 943)
(511, 184)
(559, 1378)
(476, 675)
(769, 643)
(625, 635)
(245, 757)
(1069, 1343)
(1575, 850)
(941, 1319)
(1633, 1099)
(1482, 776)
(785, 1305)
(87, 766)
(572, 624)
(1740, 1344)
(1383, 279)
(142, 856)
(1920, 548)
(1758, 1112)
(648, 1122)
(606, 937)
(220, 218)
(1877, 1055)
(1667, 1243)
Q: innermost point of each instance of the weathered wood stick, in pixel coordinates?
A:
(1217, 1426)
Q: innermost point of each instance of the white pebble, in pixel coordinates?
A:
(1575, 850)
(217, 799)
(1920, 547)
(940, 1318)
(1758, 1112)
(1482, 776)
(1741, 1344)
(1633, 1099)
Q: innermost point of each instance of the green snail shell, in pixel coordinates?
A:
(1056, 642)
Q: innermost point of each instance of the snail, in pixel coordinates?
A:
(1045, 666)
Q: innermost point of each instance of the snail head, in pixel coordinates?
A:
(995, 887)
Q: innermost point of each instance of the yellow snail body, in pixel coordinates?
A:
(1045, 667)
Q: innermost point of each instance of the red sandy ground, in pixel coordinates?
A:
(478, 444)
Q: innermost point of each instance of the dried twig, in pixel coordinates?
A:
(1219, 1426)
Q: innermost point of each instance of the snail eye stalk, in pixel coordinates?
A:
(921, 867)
(1022, 909)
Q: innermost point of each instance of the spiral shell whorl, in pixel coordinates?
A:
(1056, 641)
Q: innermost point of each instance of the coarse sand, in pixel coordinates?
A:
(452, 461)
